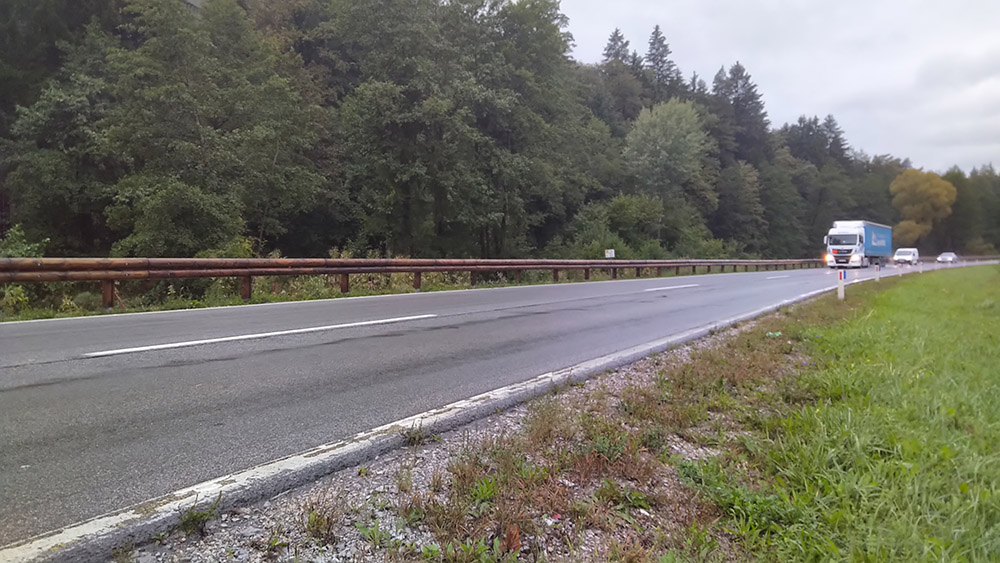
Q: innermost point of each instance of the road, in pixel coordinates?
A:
(99, 413)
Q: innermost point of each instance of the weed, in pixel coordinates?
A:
(320, 523)
(485, 490)
(363, 471)
(437, 481)
(193, 520)
(374, 535)
(415, 435)
(404, 479)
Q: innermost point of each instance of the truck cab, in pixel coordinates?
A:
(857, 244)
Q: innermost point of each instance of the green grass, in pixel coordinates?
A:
(895, 454)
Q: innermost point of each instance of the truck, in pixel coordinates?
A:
(857, 244)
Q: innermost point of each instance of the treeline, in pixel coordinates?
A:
(427, 128)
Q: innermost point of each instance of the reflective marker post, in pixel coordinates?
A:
(841, 276)
(878, 272)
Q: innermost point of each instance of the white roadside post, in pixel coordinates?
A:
(841, 275)
(878, 272)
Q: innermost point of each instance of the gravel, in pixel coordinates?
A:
(355, 498)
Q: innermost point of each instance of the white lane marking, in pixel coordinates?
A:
(253, 336)
(671, 287)
(776, 277)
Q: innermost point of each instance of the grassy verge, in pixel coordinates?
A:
(888, 450)
(19, 302)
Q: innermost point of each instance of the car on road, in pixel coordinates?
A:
(906, 255)
(947, 257)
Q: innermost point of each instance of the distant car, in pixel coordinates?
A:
(906, 255)
(947, 257)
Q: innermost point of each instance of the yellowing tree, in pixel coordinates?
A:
(922, 198)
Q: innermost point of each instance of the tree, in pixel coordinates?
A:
(616, 48)
(202, 115)
(783, 208)
(59, 170)
(922, 198)
(665, 76)
(665, 153)
(751, 131)
(740, 216)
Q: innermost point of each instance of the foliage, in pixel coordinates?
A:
(416, 127)
(921, 198)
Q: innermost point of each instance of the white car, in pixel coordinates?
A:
(947, 257)
(906, 255)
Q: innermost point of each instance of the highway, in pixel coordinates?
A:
(98, 413)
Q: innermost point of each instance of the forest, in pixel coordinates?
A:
(421, 128)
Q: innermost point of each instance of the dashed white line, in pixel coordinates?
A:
(671, 287)
(253, 336)
(776, 277)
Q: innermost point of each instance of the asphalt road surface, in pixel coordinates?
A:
(99, 413)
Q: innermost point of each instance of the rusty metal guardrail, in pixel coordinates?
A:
(110, 270)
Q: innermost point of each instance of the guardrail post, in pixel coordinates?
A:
(586, 273)
(472, 278)
(555, 276)
(345, 283)
(694, 270)
(677, 271)
(108, 293)
(659, 271)
(638, 272)
(416, 280)
(517, 276)
(614, 273)
(246, 288)
(708, 269)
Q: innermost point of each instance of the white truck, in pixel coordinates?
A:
(857, 244)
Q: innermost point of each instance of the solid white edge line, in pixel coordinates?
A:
(188, 343)
(672, 287)
(777, 277)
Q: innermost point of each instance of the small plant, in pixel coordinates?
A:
(160, 538)
(437, 481)
(274, 543)
(320, 523)
(374, 535)
(413, 510)
(431, 552)
(363, 471)
(414, 435)
(485, 490)
(404, 480)
(193, 520)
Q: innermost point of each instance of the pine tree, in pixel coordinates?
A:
(666, 77)
(617, 48)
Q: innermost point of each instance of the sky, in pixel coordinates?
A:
(911, 78)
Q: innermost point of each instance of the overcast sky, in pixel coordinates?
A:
(914, 78)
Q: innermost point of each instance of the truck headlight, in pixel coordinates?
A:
(856, 258)
(828, 258)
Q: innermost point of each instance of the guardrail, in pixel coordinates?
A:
(110, 270)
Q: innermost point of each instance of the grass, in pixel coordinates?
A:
(894, 455)
(193, 519)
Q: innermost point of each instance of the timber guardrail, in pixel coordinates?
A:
(110, 270)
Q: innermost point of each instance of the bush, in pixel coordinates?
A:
(88, 301)
(14, 300)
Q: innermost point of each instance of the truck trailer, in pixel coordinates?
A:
(857, 244)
